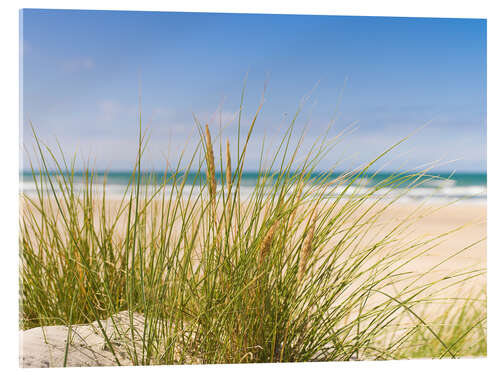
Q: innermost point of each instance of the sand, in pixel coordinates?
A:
(45, 347)
(436, 220)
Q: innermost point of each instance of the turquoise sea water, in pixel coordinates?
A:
(466, 187)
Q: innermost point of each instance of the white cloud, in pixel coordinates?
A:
(77, 65)
(87, 63)
(110, 110)
(162, 113)
(226, 118)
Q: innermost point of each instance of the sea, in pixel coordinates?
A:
(439, 187)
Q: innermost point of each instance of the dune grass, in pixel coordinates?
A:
(287, 274)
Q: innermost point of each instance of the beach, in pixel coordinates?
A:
(329, 205)
(461, 225)
(467, 221)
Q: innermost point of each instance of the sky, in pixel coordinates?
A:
(383, 78)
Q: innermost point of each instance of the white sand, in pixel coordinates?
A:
(45, 347)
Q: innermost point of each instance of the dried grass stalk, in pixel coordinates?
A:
(210, 168)
(307, 247)
(265, 246)
(229, 185)
(228, 169)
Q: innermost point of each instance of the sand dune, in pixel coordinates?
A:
(46, 347)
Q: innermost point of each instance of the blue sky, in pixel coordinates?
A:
(81, 74)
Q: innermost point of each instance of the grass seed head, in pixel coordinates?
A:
(228, 168)
(210, 165)
(266, 243)
(307, 247)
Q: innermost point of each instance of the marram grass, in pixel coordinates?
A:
(285, 275)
